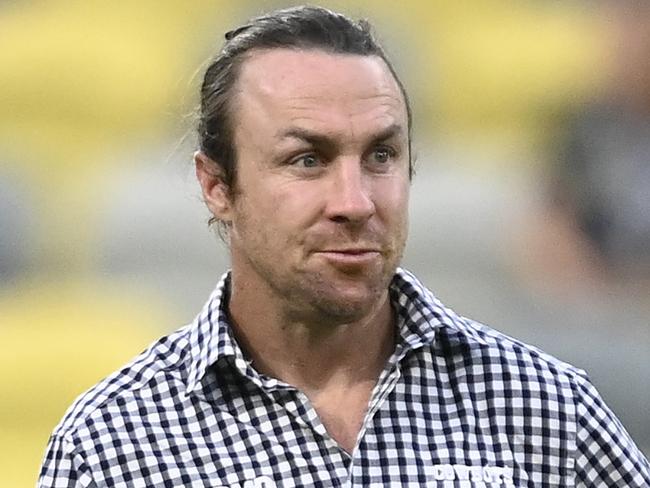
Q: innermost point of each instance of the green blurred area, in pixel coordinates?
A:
(82, 82)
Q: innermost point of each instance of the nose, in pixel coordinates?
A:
(350, 197)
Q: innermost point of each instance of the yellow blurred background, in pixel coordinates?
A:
(103, 242)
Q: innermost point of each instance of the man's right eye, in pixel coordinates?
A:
(306, 161)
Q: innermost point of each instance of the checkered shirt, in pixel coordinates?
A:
(457, 405)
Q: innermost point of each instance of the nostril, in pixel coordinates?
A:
(339, 219)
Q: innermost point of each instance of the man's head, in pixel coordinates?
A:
(317, 213)
(300, 28)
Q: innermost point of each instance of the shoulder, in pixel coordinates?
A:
(548, 405)
(515, 354)
(455, 334)
(163, 363)
(504, 362)
(482, 354)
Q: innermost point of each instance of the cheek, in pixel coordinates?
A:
(278, 213)
(300, 203)
(392, 198)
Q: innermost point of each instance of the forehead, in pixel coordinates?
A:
(315, 82)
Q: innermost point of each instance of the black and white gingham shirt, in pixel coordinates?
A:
(457, 405)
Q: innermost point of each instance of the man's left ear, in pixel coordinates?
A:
(215, 192)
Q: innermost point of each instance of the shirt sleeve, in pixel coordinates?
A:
(606, 454)
(63, 468)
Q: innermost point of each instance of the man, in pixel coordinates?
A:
(316, 361)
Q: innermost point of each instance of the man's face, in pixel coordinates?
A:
(319, 213)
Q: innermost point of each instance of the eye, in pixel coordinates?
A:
(306, 161)
(383, 154)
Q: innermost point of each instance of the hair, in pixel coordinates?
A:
(304, 27)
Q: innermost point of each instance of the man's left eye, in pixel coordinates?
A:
(383, 154)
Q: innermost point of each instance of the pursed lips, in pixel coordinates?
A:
(351, 250)
(350, 256)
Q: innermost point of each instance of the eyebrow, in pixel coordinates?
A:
(323, 140)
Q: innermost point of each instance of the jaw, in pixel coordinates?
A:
(292, 281)
(342, 294)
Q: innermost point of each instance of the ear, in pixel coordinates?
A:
(215, 192)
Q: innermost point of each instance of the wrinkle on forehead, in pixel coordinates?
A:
(320, 90)
(350, 106)
(351, 119)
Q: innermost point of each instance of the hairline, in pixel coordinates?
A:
(235, 89)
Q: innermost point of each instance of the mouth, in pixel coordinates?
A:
(350, 257)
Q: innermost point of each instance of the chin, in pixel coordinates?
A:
(344, 306)
(343, 313)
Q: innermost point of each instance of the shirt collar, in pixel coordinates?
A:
(419, 312)
(423, 314)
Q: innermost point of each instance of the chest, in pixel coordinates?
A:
(432, 430)
(342, 412)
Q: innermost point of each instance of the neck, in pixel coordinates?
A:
(312, 355)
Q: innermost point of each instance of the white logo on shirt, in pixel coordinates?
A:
(478, 475)
(259, 482)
